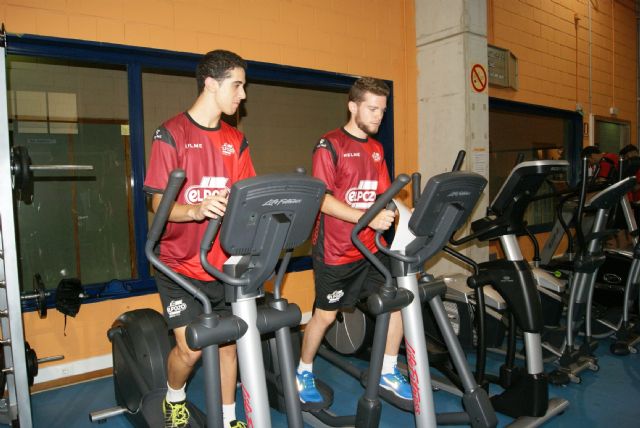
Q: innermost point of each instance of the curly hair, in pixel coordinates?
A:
(217, 64)
(368, 84)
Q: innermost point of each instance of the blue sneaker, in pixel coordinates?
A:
(396, 383)
(307, 388)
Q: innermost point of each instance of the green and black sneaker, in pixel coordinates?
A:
(237, 424)
(176, 415)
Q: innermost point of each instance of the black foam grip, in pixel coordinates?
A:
(459, 159)
(210, 233)
(416, 184)
(381, 202)
(168, 197)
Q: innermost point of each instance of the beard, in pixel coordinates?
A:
(370, 130)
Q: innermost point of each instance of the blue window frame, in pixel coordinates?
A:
(138, 59)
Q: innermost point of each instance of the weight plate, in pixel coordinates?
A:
(41, 295)
(32, 363)
(22, 176)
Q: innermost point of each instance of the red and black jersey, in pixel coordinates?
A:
(355, 172)
(213, 159)
(609, 166)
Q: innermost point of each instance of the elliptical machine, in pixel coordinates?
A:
(559, 340)
(526, 389)
(617, 277)
(443, 207)
(264, 215)
(627, 333)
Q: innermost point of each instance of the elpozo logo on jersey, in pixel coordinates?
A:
(363, 196)
(208, 186)
(227, 149)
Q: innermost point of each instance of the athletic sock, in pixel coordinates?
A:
(302, 367)
(176, 395)
(389, 363)
(228, 414)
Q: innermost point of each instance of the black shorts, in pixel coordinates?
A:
(341, 286)
(180, 307)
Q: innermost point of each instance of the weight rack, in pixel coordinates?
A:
(17, 405)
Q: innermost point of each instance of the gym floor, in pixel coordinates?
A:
(610, 395)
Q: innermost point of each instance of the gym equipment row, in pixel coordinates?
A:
(255, 234)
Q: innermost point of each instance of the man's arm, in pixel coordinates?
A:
(212, 206)
(335, 208)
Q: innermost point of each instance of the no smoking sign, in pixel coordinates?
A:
(478, 78)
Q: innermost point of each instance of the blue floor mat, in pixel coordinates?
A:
(611, 395)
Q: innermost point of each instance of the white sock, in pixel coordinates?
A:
(176, 395)
(228, 414)
(302, 367)
(389, 363)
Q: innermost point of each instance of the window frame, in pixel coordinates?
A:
(136, 60)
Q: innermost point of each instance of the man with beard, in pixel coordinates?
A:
(352, 165)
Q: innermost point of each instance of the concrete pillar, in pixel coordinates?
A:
(453, 101)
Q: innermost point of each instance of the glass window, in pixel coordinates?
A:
(523, 134)
(79, 224)
(283, 124)
(76, 102)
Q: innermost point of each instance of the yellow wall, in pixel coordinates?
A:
(373, 37)
(551, 41)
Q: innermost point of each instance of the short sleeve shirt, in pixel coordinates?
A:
(213, 159)
(355, 172)
(609, 166)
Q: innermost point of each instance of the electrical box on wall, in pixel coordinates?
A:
(503, 68)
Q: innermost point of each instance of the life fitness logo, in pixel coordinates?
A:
(208, 186)
(363, 196)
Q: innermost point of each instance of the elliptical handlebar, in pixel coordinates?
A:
(519, 158)
(380, 204)
(457, 165)
(582, 201)
(205, 246)
(176, 178)
(209, 233)
(416, 186)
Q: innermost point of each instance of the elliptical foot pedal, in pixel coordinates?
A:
(509, 375)
(437, 354)
(327, 398)
(389, 396)
(620, 349)
(558, 378)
